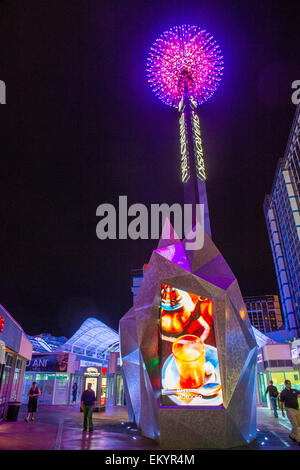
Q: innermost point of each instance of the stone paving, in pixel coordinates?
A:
(60, 428)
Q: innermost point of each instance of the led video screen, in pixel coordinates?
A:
(190, 372)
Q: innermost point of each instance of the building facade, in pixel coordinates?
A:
(15, 351)
(282, 213)
(58, 363)
(264, 312)
(137, 276)
(277, 362)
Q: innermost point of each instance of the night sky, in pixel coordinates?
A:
(81, 127)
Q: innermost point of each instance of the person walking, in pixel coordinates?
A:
(33, 394)
(88, 399)
(289, 398)
(74, 392)
(273, 394)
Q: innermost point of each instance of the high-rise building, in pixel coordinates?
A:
(137, 276)
(264, 312)
(282, 213)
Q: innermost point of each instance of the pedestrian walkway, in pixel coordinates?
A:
(60, 428)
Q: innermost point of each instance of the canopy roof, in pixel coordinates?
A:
(45, 342)
(93, 339)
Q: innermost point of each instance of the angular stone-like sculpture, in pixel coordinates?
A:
(205, 273)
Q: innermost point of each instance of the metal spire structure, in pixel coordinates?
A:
(184, 68)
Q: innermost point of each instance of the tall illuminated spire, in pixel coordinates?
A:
(184, 68)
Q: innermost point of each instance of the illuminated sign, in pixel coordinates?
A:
(198, 149)
(2, 321)
(88, 363)
(48, 363)
(189, 364)
(295, 351)
(92, 372)
(185, 174)
(94, 383)
(259, 358)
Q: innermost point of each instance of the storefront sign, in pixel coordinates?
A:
(92, 372)
(89, 363)
(48, 363)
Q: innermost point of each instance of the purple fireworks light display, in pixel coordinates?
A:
(184, 59)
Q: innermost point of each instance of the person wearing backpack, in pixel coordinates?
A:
(273, 394)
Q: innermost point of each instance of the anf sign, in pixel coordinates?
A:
(2, 321)
(2, 92)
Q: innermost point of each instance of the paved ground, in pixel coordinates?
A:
(60, 428)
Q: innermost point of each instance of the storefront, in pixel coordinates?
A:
(15, 350)
(275, 363)
(91, 353)
(56, 373)
(97, 377)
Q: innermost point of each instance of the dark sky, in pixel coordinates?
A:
(81, 127)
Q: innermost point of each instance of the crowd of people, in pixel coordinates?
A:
(286, 401)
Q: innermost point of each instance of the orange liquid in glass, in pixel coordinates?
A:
(189, 353)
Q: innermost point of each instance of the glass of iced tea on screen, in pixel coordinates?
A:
(189, 353)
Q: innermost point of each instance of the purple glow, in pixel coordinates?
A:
(184, 59)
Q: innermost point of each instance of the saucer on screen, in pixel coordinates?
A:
(210, 394)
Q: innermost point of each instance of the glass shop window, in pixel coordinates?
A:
(293, 376)
(27, 383)
(79, 380)
(120, 399)
(9, 360)
(47, 388)
(16, 385)
(278, 380)
(6, 377)
(19, 363)
(262, 388)
(61, 389)
(110, 387)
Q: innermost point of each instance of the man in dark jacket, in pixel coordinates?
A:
(273, 394)
(289, 397)
(88, 402)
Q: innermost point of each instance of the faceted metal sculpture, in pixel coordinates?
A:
(203, 272)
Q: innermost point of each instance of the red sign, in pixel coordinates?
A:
(2, 321)
(102, 401)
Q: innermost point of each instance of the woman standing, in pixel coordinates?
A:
(33, 394)
(74, 392)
